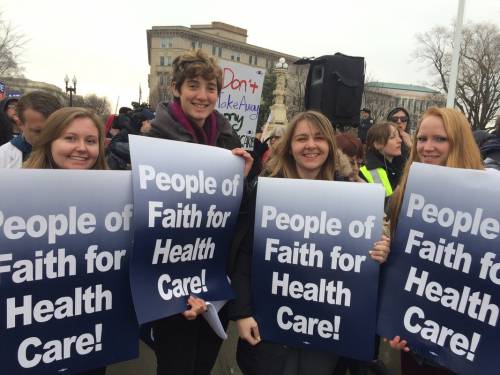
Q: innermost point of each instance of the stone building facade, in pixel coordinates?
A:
(218, 39)
(381, 97)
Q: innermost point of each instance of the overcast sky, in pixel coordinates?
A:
(103, 42)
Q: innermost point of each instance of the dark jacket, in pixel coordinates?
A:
(394, 169)
(364, 125)
(239, 267)
(490, 151)
(6, 125)
(164, 126)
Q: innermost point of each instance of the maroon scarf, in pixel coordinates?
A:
(206, 135)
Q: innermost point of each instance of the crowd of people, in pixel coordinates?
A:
(36, 131)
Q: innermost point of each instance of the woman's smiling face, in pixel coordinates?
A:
(78, 145)
(433, 145)
(309, 149)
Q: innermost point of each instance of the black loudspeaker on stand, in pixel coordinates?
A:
(335, 87)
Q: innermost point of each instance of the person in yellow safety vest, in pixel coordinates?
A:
(384, 164)
(377, 176)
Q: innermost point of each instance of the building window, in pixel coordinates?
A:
(235, 56)
(168, 61)
(196, 44)
(166, 42)
(216, 51)
(252, 60)
(162, 79)
(162, 60)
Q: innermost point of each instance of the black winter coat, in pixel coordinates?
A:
(490, 151)
(394, 169)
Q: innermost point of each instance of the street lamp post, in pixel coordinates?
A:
(71, 90)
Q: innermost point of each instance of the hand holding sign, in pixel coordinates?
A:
(381, 249)
(197, 307)
(248, 330)
(398, 344)
(247, 157)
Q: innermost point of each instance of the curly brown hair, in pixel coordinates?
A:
(195, 63)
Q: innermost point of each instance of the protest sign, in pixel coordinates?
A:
(314, 284)
(65, 298)
(186, 202)
(440, 287)
(239, 99)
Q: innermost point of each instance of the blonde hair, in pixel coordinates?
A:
(463, 152)
(282, 163)
(41, 156)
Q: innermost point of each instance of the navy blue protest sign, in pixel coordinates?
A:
(186, 202)
(440, 287)
(316, 285)
(65, 240)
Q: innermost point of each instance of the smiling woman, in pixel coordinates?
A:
(307, 150)
(71, 139)
(443, 138)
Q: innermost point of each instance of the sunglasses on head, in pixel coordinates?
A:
(399, 118)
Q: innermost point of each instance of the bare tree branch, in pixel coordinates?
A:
(100, 105)
(11, 46)
(478, 83)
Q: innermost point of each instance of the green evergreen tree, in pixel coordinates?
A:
(266, 100)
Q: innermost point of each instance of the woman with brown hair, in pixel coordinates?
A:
(72, 138)
(307, 150)
(350, 149)
(384, 164)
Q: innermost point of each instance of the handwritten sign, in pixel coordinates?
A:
(239, 99)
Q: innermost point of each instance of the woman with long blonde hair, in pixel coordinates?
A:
(444, 138)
